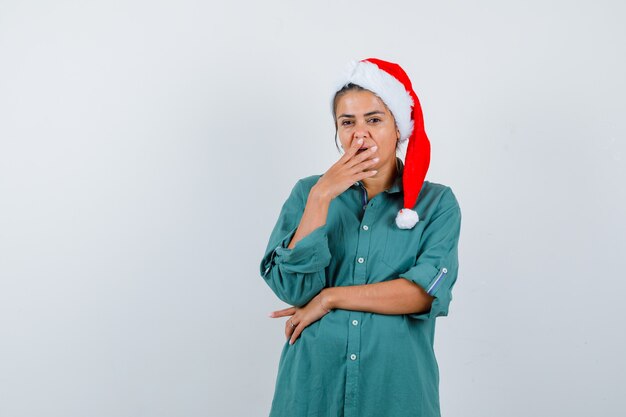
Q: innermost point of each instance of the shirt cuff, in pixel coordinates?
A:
(310, 254)
(430, 279)
(426, 276)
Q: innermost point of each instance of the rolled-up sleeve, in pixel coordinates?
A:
(437, 265)
(295, 275)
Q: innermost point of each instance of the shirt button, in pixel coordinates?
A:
(355, 322)
(365, 206)
(365, 227)
(353, 356)
(360, 260)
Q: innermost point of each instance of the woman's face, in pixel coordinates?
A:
(360, 113)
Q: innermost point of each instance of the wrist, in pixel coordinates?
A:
(319, 195)
(328, 298)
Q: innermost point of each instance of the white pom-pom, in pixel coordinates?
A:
(407, 218)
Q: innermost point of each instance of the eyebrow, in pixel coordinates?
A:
(366, 114)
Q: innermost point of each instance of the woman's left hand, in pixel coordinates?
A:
(301, 317)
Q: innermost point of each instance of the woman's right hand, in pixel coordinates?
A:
(350, 168)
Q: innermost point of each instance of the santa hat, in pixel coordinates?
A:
(393, 86)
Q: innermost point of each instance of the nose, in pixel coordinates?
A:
(360, 133)
(360, 130)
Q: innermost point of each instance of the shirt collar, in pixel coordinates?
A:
(396, 187)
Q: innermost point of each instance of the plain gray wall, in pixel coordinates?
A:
(146, 149)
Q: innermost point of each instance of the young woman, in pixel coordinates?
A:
(367, 255)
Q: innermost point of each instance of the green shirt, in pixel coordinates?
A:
(356, 363)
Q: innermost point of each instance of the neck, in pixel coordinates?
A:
(383, 179)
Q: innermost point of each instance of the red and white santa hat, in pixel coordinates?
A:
(392, 85)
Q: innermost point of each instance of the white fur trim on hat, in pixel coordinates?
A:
(387, 87)
(407, 218)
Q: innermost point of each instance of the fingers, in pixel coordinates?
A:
(291, 332)
(361, 167)
(284, 312)
(366, 156)
(365, 174)
(296, 333)
(289, 329)
(354, 146)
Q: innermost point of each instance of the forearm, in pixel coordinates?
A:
(314, 216)
(397, 296)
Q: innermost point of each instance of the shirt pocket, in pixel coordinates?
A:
(401, 247)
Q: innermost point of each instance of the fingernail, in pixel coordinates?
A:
(360, 141)
(270, 314)
(374, 148)
(291, 342)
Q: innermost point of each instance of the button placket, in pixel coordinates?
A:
(355, 317)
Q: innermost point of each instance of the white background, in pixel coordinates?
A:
(146, 148)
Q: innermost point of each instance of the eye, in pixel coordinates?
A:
(374, 120)
(346, 123)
